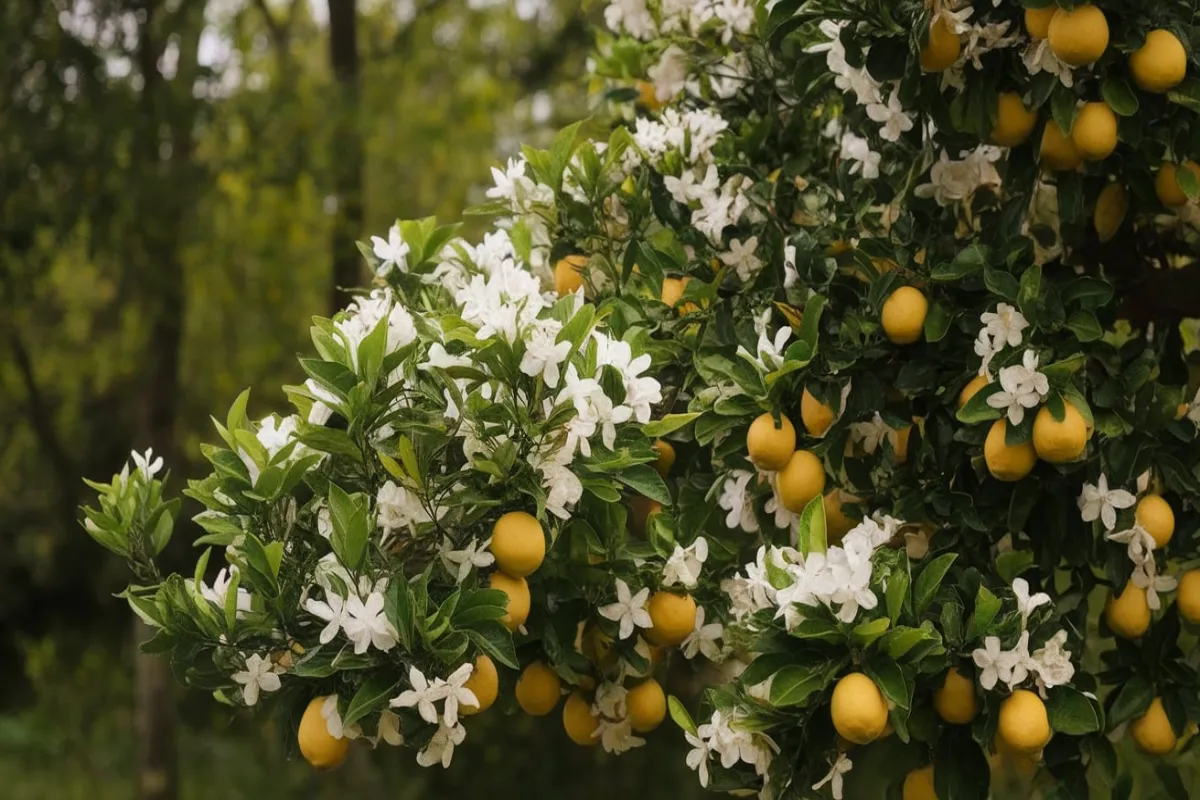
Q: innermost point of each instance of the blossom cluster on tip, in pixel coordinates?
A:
(453, 694)
(689, 18)
(1050, 665)
(1022, 387)
(724, 739)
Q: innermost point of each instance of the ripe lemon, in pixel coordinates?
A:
(1014, 122)
(1037, 21)
(768, 446)
(800, 481)
(673, 617)
(903, 315)
(484, 683)
(318, 747)
(1058, 152)
(859, 711)
(518, 598)
(1078, 36)
(1187, 599)
(1111, 206)
(1152, 731)
(816, 416)
(648, 96)
(899, 440)
(941, 47)
(641, 511)
(1095, 131)
(969, 391)
(1128, 614)
(1004, 462)
(955, 702)
(647, 706)
(666, 457)
(578, 721)
(918, 784)
(1014, 761)
(672, 291)
(1166, 185)
(1024, 725)
(518, 543)
(568, 274)
(1059, 442)
(1160, 63)
(538, 689)
(1155, 515)
(837, 524)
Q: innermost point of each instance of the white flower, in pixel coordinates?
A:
(543, 354)
(743, 259)
(333, 720)
(1145, 576)
(616, 736)
(1193, 412)
(457, 693)
(1025, 602)
(892, 116)
(770, 352)
(790, 274)
(366, 624)
(332, 610)
(1100, 502)
(1138, 541)
(629, 611)
(952, 181)
(422, 695)
(220, 590)
(851, 572)
(863, 159)
(1053, 663)
(753, 592)
(703, 638)
(610, 701)
(392, 251)
(1004, 325)
(988, 658)
(840, 767)
(738, 501)
(697, 757)
(1016, 664)
(1038, 57)
(440, 749)
(670, 73)
(397, 507)
(147, 464)
(1021, 387)
(871, 434)
(389, 728)
(259, 675)
(459, 563)
(683, 566)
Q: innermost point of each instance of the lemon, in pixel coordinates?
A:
(317, 745)
(1111, 206)
(518, 599)
(816, 416)
(941, 47)
(1058, 152)
(647, 706)
(899, 440)
(538, 689)
(918, 784)
(1160, 63)
(641, 511)
(1187, 599)
(1037, 21)
(1078, 36)
(859, 711)
(648, 96)
(568, 274)
(903, 315)
(1155, 515)
(1015, 761)
(972, 387)
(673, 617)
(578, 721)
(518, 543)
(1095, 131)
(1059, 442)
(1024, 725)
(484, 683)
(955, 702)
(1167, 187)
(1014, 122)
(1152, 731)
(1128, 614)
(837, 524)
(1004, 462)
(666, 457)
(672, 291)
(800, 481)
(768, 446)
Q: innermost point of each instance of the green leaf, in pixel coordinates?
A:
(899, 641)
(977, 409)
(351, 528)
(929, 579)
(865, 633)
(804, 349)
(1119, 96)
(408, 458)
(937, 322)
(1011, 564)
(1063, 108)
(987, 606)
(793, 684)
(812, 527)
(495, 640)
(398, 607)
(891, 680)
(231, 598)
(961, 769)
(897, 592)
(815, 628)
(680, 715)
(969, 260)
(1071, 712)
(1001, 283)
(646, 481)
(1132, 700)
(668, 424)
(371, 696)
(1085, 326)
(237, 412)
(1188, 182)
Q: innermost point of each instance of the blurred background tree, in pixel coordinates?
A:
(181, 184)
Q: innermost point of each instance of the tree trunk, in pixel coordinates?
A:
(157, 720)
(347, 151)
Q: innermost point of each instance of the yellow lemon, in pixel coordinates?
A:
(1004, 462)
(941, 47)
(1037, 21)
(666, 457)
(1111, 206)
(317, 745)
(972, 387)
(672, 291)
(518, 599)
(1152, 731)
(816, 416)
(1166, 185)
(1078, 36)
(1095, 131)
(1160, 63)
(1059, 442)
(859, 711)
(484, 683)
(955, 702)
(538, 689)
(768, 446)
(518, 543)
(568, 274)
(1187, 599)
(648, 96)
(899, 440)
(1024, 725)
(647, 706)
(1015, 761)
(918, 784)
(1155, 515)
(837, 524)
(578, 721)
(903, 315)
(673, 617)
(1014, 122)
(800, 481)
(1128, 614)
(1058, 152)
